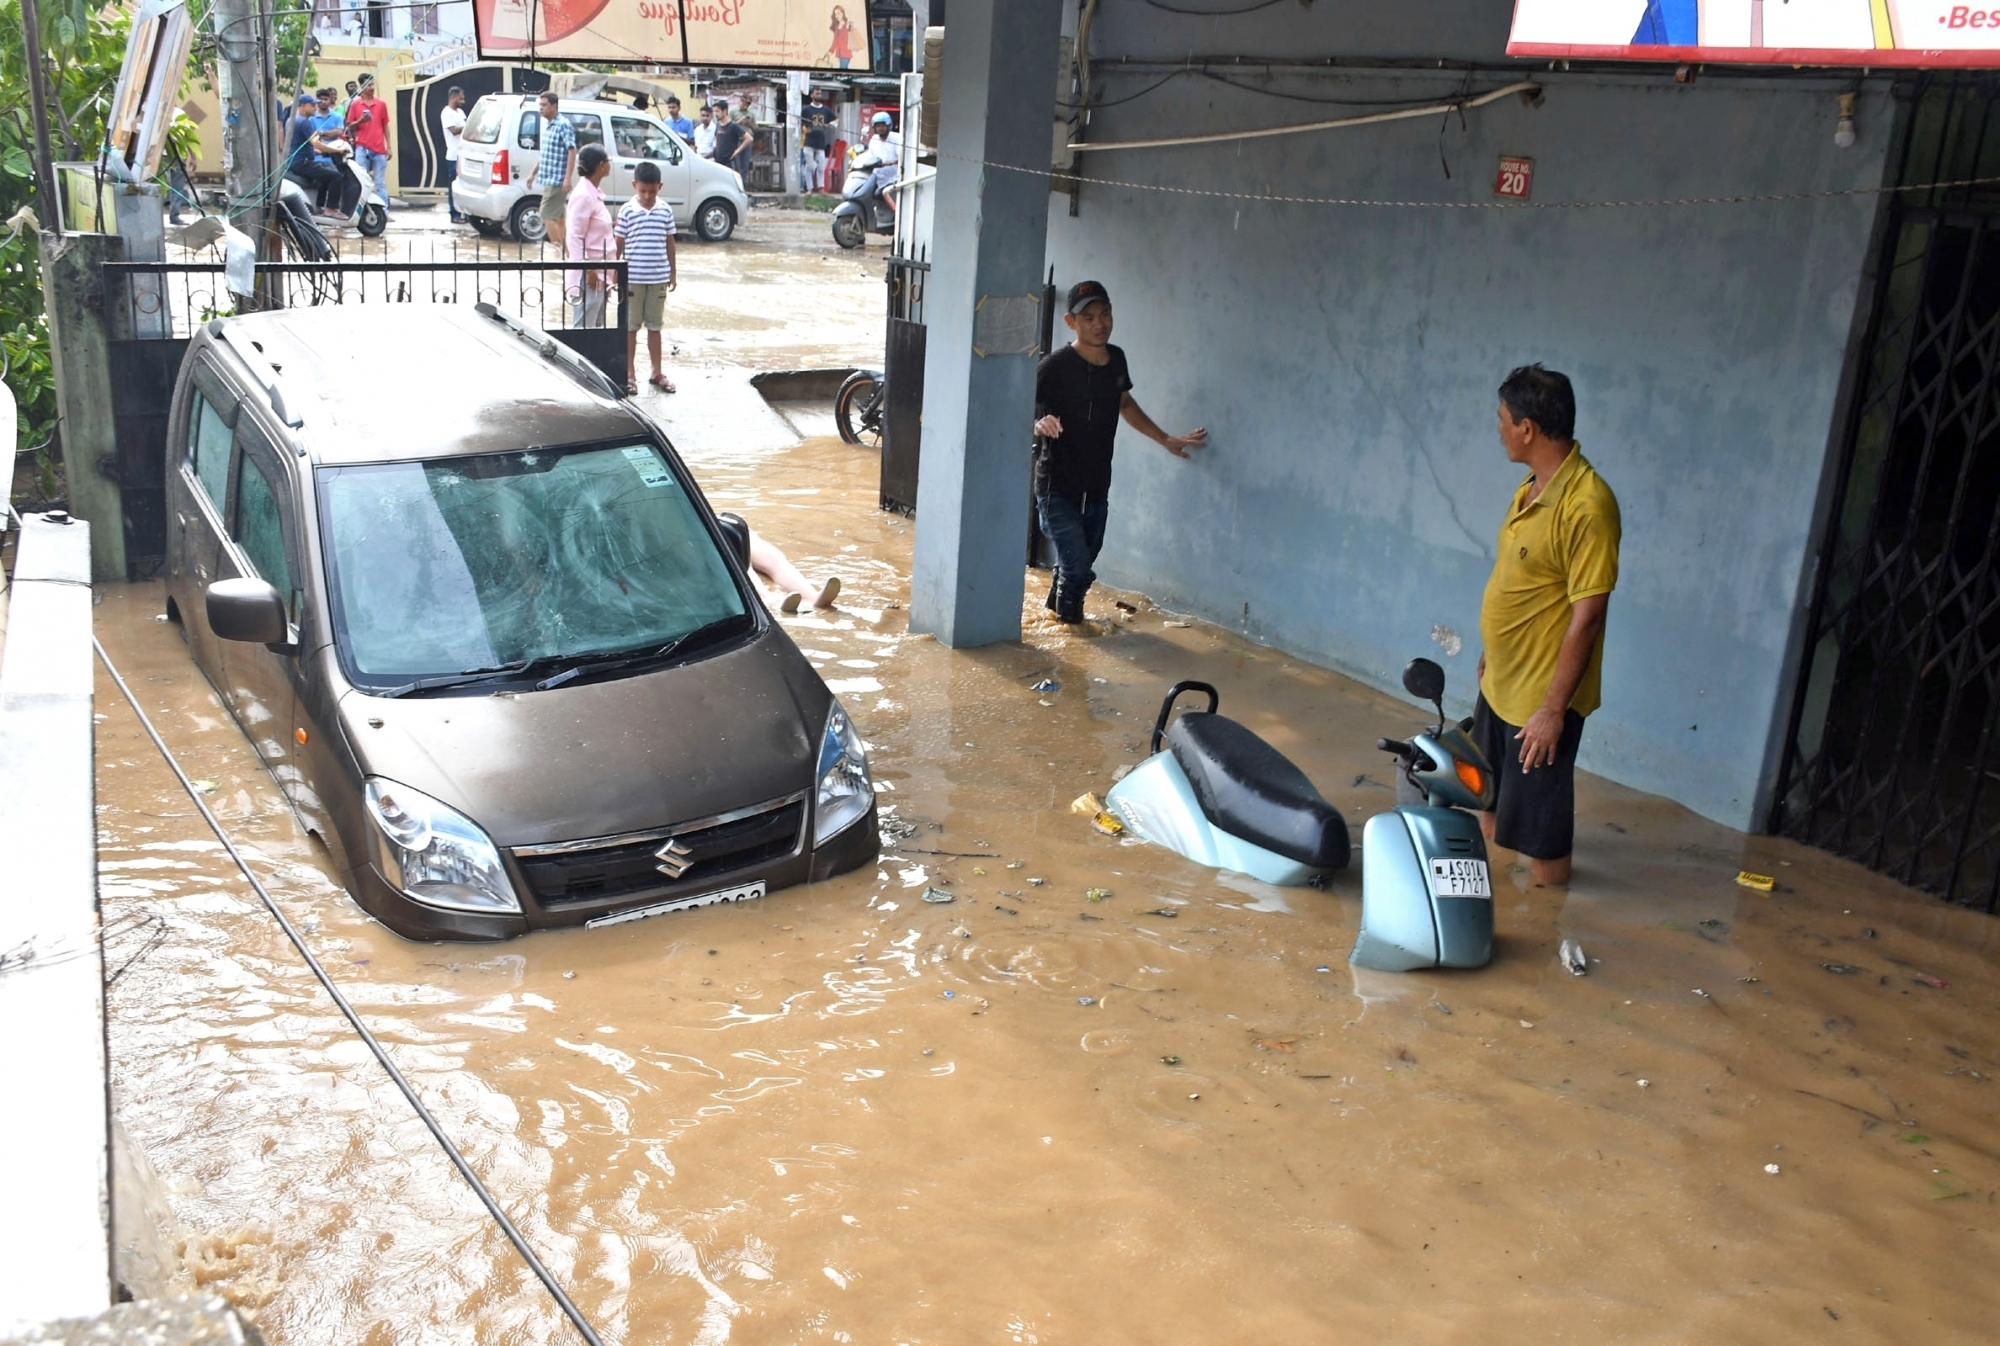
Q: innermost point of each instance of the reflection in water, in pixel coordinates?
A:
(814, 1118)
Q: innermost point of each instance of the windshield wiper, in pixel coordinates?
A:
(464, 678)
(608, 661)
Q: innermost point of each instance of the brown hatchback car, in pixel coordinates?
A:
(501, 655)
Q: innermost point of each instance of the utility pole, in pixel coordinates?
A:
(38, 101)
(251, 151)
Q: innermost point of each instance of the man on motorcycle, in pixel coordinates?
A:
(883, 155)
(309, 163)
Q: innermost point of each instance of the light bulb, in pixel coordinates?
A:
(1843, 132)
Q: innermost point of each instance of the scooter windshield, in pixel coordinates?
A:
(449, 565)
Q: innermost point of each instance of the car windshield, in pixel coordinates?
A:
(483, 126)
(462, 564)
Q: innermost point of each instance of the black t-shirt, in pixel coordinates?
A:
(729, 139)
(814, 117)
(1086, 397)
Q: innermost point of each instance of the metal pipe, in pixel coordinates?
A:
(1401, 114)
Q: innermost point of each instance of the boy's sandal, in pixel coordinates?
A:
(631, 387)
(660, 381)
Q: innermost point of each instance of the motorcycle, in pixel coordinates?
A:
(859, 406)
(357, 203)
(863, 209)
(1221, 796)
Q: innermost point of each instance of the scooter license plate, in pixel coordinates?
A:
(1460, 878)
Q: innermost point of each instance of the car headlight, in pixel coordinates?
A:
(845, 792)
(436, 855)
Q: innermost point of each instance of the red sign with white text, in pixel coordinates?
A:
(1516, 176)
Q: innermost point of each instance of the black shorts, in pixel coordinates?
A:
(1536, 812)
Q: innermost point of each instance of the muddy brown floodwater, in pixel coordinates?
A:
(844, 1114)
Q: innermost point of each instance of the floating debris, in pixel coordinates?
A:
(1036, 883)
(1170, 1060)
(1046, 685)
(1773, 1170)
(1108, 823)
(1645, 1084)
(1762, 883)
(1180, 625)
(1841, 969)
(936, 895)
(1017, 864)
(1571, 957)
(1009, 910)
(1169, 912)
(1086, 916)
(1096, 894)
(1288, 1045)
(1087, 804)
(1086, 1000)
(1926, 979)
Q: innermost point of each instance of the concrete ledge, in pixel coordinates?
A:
(55, 1251)
(799, 385)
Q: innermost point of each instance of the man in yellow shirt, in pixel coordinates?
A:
(1541, 623)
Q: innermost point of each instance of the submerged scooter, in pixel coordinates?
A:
(1426, 888)
(1220, 795)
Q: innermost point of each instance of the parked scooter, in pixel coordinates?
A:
(1220, 795)
(863, 209)
(1426, 886)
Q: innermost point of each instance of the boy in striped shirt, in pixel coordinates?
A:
(645, 232)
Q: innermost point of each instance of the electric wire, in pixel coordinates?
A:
(507, 1227)
(1192, 12)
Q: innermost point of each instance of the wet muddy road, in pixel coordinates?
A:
(845, 1114)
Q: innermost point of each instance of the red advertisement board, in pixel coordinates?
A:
(774, 34)
(1868, 33)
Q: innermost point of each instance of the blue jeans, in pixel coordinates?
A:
(377, 164)
(451, 188)
(1076, 527)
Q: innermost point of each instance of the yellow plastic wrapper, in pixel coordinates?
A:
(1108, 824)
(1763, 883)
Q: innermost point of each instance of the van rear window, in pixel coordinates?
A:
(483, 126)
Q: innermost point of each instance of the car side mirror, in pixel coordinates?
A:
(1424, 680)
(737, 533)
(247, 610)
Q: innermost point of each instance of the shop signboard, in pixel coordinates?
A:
(1867, 33)
(749, 34)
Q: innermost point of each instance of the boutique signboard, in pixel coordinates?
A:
(1869, 33)
(777, 34)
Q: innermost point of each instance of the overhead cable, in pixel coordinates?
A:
(1367, 119)
(507, 1227)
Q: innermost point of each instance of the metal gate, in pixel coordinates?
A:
(903, 373)
(1893, 754)
(152, 309)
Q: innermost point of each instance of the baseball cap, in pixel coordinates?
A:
(1085, 293)
(306, 98)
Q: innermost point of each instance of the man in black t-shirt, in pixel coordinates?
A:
(730, 141)
(1081, 393)
(813, 119)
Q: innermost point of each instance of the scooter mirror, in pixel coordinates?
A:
(1424, 680)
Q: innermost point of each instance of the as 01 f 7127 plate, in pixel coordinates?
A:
(740, 894)
(1460, 878)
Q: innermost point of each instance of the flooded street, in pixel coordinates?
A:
(846, 1114)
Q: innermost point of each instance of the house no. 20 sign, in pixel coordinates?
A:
(1515, 177)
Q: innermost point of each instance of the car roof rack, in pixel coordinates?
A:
(571, 363)
(251, 352)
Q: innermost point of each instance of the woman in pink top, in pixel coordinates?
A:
(590, 238)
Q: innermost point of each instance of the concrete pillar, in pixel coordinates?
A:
(988, 239)
(75, 297)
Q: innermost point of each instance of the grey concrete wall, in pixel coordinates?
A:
(1345, 359)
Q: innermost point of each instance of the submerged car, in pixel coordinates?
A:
(481, 624)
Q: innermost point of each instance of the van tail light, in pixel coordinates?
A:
(500, 169)
(1473, 777)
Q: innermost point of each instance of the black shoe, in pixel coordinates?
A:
(1050, 601)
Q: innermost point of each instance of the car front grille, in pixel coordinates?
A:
(693, 854)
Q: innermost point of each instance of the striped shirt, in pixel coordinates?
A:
(646, 233)
(558, 139)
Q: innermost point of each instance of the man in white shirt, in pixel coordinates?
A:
(883, 155)
(704, 133)
(452, 121)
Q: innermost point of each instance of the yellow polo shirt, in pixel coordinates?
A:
(1561, 548)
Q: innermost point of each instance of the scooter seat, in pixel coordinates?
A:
(1249, 789)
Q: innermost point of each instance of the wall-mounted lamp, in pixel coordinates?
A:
(1843, 130)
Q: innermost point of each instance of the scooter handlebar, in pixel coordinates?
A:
(1396, 746)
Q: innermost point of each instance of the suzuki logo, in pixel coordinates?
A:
(676, 858)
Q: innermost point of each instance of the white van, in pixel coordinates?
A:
(502, 143)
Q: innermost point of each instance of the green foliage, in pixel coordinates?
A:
(82, 49)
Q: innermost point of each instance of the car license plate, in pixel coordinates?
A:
(742, 893)
(1460, 878)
